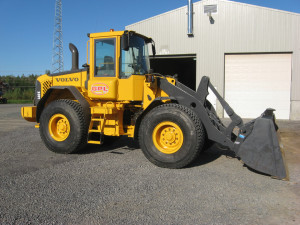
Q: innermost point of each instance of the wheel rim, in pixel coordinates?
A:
(59, 127)
(167, 137)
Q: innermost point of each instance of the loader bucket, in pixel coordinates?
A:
(262, 151)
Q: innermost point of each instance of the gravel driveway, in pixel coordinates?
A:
(116, 184)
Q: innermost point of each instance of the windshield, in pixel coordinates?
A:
(136, 59)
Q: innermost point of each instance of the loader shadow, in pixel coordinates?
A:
(124, 145)
(215, 152)
(255, 171)
(211, 154)
(119, 146)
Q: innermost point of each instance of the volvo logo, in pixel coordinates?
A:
(68, 79)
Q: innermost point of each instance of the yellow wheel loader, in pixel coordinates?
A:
(117, 94)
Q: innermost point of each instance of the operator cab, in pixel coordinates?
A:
(118, 62)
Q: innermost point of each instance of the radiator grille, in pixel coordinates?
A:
(45, 86)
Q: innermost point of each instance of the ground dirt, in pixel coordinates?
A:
(115, 184)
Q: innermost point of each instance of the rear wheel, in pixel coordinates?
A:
(171, 136)
(62, 126)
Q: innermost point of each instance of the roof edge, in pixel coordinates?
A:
(203, 2)
(257, 6)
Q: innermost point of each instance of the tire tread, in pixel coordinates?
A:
(200, 133)
(82, 123)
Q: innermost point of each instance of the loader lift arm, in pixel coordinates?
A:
(215, 129)
(256, 143)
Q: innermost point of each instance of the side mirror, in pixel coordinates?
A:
(125, 41)
(153, 49)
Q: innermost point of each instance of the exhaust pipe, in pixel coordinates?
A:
(190, 18)
(74, 52)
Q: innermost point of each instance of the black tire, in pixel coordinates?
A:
(76, 128)
(184, 120)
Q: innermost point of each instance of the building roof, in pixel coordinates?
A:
(208, 2)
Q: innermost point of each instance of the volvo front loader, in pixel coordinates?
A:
(117, 94)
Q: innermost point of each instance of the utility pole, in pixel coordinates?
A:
(57, 55)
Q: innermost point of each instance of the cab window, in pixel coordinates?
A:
(136, 59)
(105, 58)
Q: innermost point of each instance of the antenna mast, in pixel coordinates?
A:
(57, 55)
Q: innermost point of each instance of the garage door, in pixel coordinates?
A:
(254, 82)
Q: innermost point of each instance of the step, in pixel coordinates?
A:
(94, 131)
(96, 119)
(94, 142)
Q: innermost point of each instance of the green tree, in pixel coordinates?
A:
(19, 87)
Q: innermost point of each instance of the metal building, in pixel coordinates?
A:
(251, 53)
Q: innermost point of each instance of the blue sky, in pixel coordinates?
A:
(26, 26)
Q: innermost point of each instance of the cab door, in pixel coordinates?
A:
(103, 83)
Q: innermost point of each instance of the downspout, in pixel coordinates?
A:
(190, 18)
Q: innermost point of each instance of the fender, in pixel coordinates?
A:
(156, 102)
(76, 94)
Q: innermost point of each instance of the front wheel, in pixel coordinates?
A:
(62, 126)
(171, 136)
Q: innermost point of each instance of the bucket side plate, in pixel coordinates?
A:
(262, 150)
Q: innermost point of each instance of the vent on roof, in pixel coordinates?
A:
(209, 9)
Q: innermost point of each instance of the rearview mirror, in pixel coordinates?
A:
(125, 41)
(153, 49)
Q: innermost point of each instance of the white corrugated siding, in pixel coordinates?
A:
(238, 28)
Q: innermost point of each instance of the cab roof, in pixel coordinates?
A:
(105, 34)
(113, 33)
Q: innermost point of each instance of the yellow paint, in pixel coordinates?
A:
(105, 119)
(171, 80)
(87, 52)
(107, 96)
(59, 127)
(94, 142)
(167, 137)
(130, 131)
(73, 79)
(131, 89)
(103, 88)
(150, 91)
(46, 82)
(106, 34)
(29, 113)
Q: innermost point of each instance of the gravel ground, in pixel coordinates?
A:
(116, 184)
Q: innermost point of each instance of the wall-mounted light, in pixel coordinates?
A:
(209, 10)
(211, 19)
